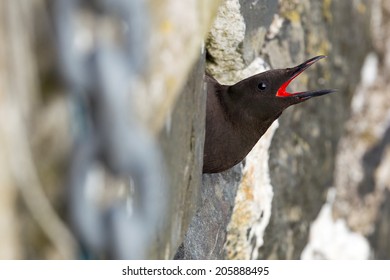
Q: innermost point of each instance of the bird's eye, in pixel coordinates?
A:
(262, 86)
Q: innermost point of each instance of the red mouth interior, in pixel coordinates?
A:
(282, 91)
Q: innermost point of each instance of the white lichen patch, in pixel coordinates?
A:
(368, 75)
(360, 193)
(275, 27)
(253, 203)
(332, 239)
(223, 43)
(258, 65)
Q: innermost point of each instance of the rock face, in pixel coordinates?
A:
(183, 135)
(206, 235)
(315, 186)
(271, 219)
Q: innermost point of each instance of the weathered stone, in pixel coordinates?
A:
(206, 234)
(182, 141)
(302, 152)
(178, 29)
(362, 163)
(263, 208)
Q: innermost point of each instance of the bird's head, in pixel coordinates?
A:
(265, 96)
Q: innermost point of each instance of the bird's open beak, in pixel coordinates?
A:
(282, 92)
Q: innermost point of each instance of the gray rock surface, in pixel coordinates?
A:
(206, 234)
(321, 168)
(183, 136)
(302, 153)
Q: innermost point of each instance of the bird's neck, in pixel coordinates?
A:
(247, 126)
(227, 131)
